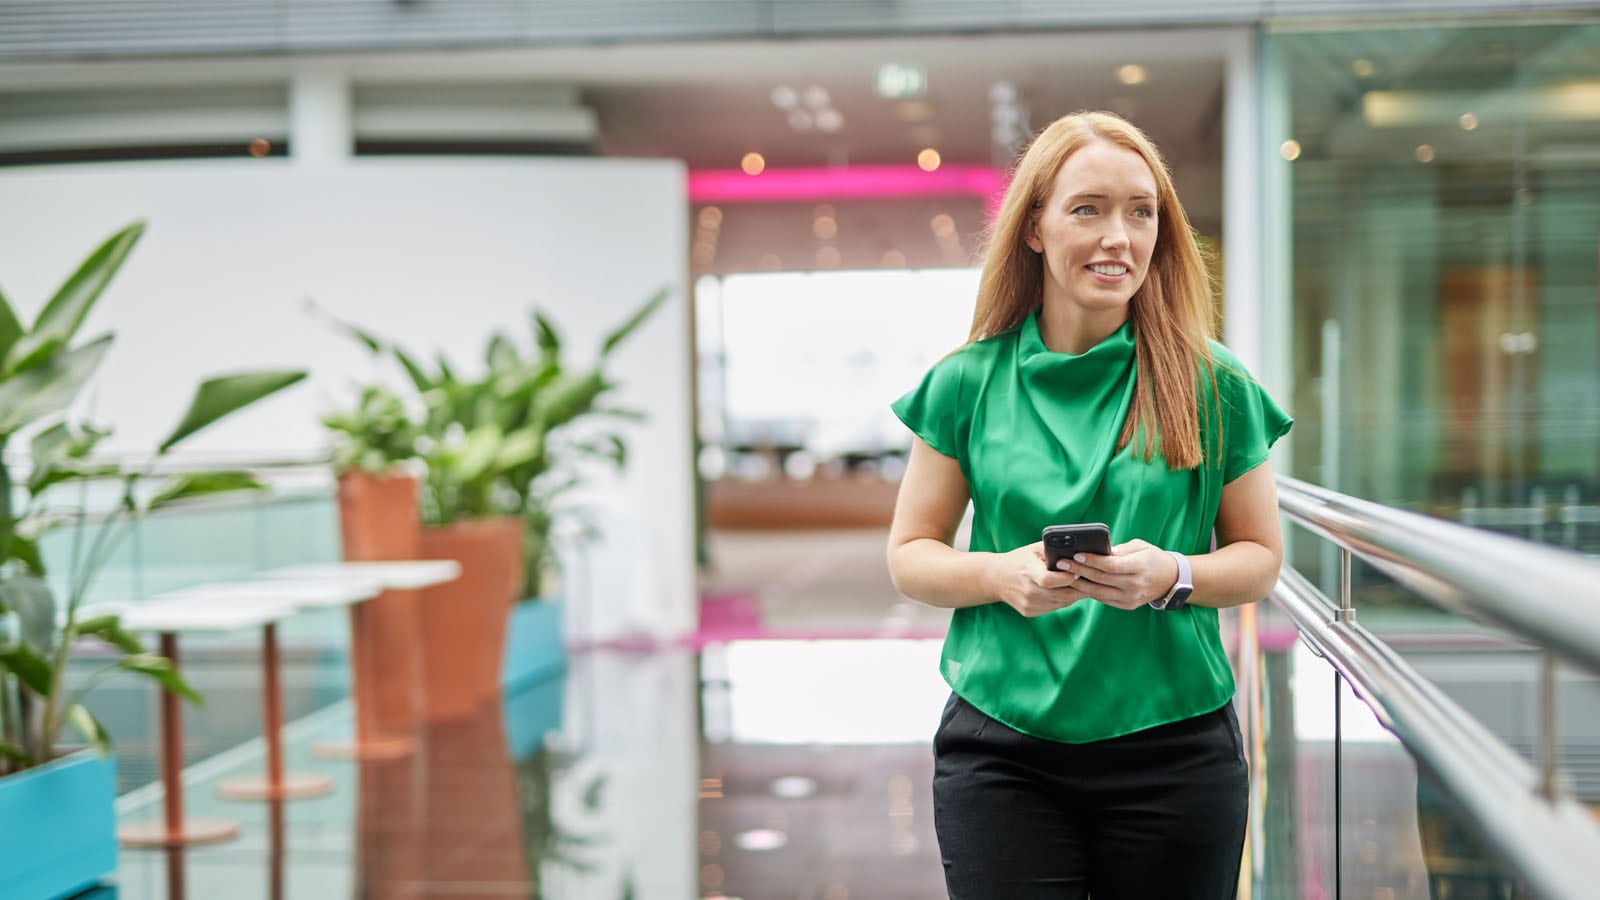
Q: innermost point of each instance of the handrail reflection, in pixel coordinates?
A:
(1551, 842)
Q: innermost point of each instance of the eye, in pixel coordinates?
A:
(1144, 212)
(1084, 210)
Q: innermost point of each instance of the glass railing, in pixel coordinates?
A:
(1432, 762)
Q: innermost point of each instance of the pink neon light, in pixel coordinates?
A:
(854, 182)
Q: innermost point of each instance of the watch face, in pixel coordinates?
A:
(1179, 597)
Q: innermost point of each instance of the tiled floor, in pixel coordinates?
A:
(751, 765)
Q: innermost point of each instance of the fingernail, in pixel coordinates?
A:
(1080, 558)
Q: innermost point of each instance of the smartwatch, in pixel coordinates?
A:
(1181, 589)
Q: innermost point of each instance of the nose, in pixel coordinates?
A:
(1115, 238)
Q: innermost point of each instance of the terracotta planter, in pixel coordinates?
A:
(379, 519)
(464, 621)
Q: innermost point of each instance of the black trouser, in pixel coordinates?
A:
(1159, 813)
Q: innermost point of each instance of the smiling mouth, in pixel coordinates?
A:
(1108, 269)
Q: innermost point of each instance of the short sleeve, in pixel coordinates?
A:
(933, 409)
(1251, 420)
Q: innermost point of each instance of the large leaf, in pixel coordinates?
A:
(91, 729)
(10, 326)
(225, 395)
(200, 484)
(109, 628)
(478, 453)
(64, 314)
(29, 667)
(23, 760)
(160, 669)
(31, 600)
(501, 355)
(548, 339)
(48, 389)
(419, 376)
(24, 548)
(519, 448)
(634, 321)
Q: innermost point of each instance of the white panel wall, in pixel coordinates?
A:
(435, 254)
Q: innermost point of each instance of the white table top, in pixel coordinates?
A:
(397, 574)
(296, 592)
(201, 614)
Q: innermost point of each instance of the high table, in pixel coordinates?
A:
(169, 617)
(296, 594)
(376, 738)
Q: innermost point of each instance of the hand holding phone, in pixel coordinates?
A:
(1062, 541)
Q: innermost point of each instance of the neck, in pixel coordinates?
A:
(1072, 329)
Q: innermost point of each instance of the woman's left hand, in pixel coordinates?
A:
(1134, 574)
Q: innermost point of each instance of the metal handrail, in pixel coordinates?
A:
(1550, 841)
(1543, 594)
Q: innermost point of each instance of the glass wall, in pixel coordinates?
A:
(1444, 195)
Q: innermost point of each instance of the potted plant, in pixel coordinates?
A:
(499, 451)
(56, 817)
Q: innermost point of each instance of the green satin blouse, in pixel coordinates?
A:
(1035, 433)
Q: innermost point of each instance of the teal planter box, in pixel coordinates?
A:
(530, 713)
(58, 827)
(536, 646)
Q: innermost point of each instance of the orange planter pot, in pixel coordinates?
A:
(464, 621)
(379, 519)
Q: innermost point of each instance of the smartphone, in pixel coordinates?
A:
(1061, 541)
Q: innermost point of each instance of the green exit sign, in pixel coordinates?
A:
(897, 81)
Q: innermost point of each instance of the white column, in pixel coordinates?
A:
(1242, 247)
(320, 131)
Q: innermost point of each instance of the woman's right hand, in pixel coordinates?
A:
(1022, 582)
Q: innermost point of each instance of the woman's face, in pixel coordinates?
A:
(1097, 230)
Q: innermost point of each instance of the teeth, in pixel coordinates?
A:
(1109, 270)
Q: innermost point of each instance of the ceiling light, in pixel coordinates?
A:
(829, 120)
(816, 97)
(794, 787)
(800, 120)
(823, 210)
(928, 160)
(753, 164)
(1290, 150)
(1362, 68)
(893, 259)
(710, 843)
(759, 839)
(784, 97)
(896, 80)
(942, 225)
(825, 228)
(711, 217)
(828, 257)
(260, 147)
(1132, 74)
(1424, 153)
(1469, 122)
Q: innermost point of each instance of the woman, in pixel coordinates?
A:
(1089, 746)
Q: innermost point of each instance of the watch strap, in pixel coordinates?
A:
(1181, 589)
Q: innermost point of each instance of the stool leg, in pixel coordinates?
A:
(276, 785)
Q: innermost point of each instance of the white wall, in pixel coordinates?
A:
(435, 254)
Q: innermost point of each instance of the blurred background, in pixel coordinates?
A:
(1401, 202)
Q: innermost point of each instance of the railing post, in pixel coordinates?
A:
(1548, 788)
(1346, 613)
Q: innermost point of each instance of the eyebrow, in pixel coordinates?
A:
(1090, 195)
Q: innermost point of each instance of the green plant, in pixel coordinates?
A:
(375, 435)
(41, 374)
(510, 442)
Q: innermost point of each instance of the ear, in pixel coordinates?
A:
(1030, 234)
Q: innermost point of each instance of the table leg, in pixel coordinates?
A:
(174, 830)
(276, 785)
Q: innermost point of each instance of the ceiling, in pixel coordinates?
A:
(710, 104)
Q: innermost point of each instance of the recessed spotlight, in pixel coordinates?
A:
(753, 164)
(816, 97)
(829, 120)
(825, 227)
(800, 120)
(758, 839)
(1131, 74)
(823, 211)
(893, 259)
(942, 225)
(828, 257)
(793, 787)
(1469, 122)
(711, 217)
(260, 147)
(928, 160)
(1362, 67)
(1424, 153)
(1289, 150)
(784, 97)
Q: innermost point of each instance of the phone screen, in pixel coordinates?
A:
(1062, 541)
